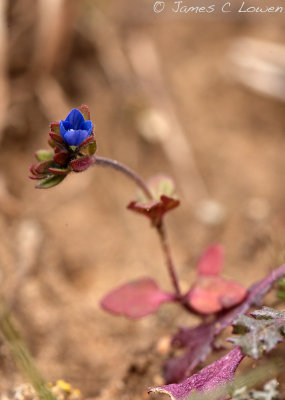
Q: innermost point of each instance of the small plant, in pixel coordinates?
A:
(74, 150)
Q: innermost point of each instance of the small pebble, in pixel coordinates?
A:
(163, 345)
(153, 125)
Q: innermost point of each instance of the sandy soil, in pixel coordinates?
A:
(63, 249)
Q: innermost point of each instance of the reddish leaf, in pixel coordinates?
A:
(81, 164)
(85, 112)
(211, 294)
(33, 169)
(38, 177)
(135, 299)
(42, 167)
(199, 341)
(54, 127)
(164, 200)
(211, 261)
(61, 158)
(59, 171)
(155, 210)
(57, 140)
(209, 378)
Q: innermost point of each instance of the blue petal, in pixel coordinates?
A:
(75, 118)
(87, 126)
(75, 138)
(62, 129)
(67, 125)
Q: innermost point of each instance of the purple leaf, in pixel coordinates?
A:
(209, 378)
(211, 261)
(136, 299)
(199, 341)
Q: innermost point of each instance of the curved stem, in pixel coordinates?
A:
(106, 162)
(169, 259)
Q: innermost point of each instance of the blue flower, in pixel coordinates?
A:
(74, 130)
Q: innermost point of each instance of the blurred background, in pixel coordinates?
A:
(199, 97)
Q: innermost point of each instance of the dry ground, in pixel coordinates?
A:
(62, 249)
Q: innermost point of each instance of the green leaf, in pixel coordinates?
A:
(281, 283)
(88, 147)
(50, 182)
(259, 333)
(44, 155)
(159, 185)
(281, 294)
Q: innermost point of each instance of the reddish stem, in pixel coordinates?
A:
(106, 162)
(169, 259)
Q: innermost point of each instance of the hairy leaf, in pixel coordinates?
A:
(259, 333)
(136, 299)
(199, 341)
(209, 378)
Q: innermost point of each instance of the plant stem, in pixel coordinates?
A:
(106, 162)
(169, 259)
(21, 355)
